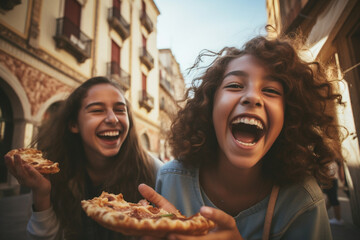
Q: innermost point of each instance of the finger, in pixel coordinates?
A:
(31, 171)
(222, 219)
(10, 165)
(19, 166)
(152, 196)
(25, 173)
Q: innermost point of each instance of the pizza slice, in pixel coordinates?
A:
(142, 219)
(35, 158)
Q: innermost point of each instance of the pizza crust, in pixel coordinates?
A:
(34, 158)
(142, 219)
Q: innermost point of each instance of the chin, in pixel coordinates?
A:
(110, 153)
(244, 162)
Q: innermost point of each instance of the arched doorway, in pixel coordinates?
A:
(6, 132)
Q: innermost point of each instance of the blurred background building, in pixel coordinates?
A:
(47, 48)
(331, 29)
(172, 89)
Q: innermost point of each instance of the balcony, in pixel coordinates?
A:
(118, 23)
(70, 38)
(146, 22)
(146, 100)
(167, 85)
(115, 73)
(167, 108)
(146, 58)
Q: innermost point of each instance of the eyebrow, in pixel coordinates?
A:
(245, 74)
(102, 104)
(236, 73)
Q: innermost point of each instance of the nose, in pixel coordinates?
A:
(251, 98)
(111, 117)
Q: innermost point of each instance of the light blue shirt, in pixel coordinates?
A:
(300, 211)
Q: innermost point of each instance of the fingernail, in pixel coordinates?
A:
(206, 210)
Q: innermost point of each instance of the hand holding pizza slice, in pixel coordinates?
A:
(34, 158)
(142, 219)
(29, 167)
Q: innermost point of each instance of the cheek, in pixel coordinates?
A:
(125, 123)
(278, 117)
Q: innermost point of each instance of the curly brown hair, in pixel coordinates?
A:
(132, 164)
(305, 145)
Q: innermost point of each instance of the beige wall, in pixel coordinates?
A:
(35, 73)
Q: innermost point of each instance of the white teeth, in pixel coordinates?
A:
(246, 144)
(248, 120)
(110, 134)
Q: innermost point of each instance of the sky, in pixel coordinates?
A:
(189, 26)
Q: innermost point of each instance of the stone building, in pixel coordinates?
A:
(172, 89)
(332, 33)
(47, 48)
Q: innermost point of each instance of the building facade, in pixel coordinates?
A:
(172, 89)
(332, 33)
(47, 48)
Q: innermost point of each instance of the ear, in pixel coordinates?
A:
(74, 127)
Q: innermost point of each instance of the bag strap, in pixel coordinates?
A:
(270, 212)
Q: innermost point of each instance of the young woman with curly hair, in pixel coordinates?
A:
(252, 144)
(93, 138)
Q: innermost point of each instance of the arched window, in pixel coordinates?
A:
(145, 141)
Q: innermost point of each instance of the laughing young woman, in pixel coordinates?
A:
(251, 144)
(93, 138)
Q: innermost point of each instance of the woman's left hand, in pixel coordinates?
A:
(225, 227)
(225, 224)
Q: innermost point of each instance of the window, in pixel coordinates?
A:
(144, 83)
(115, 58)
(72, 17)
(143, 41)
(116, 4)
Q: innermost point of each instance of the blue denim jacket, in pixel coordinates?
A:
(300, 211)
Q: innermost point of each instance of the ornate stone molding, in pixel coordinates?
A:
(34, 30)
(43, 56)
(39, 87)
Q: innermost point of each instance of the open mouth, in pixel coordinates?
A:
(247, 130)
(109, 135)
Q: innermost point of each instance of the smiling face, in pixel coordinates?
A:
(102, 122)
(248, 112)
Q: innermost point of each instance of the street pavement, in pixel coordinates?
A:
(346, 231)
(15, 212)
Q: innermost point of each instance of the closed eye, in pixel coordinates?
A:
(234, 86)
(272, 91)
(120, 110)
(96, 110)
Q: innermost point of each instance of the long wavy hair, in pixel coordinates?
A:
(305, 145)
(132, 166)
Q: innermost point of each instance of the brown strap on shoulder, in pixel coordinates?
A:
(270, 212)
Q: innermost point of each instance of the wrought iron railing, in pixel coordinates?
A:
(70, 37)
(115, 72)
(118, 22)
(146, 58)
(146, 100)
(146, 21)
